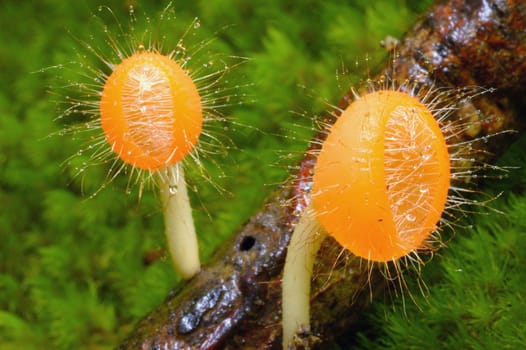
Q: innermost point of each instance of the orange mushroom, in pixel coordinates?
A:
(152, 117)
(379, 188)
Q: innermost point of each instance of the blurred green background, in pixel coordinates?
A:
(77, 271)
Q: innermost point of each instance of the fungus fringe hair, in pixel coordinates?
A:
(148, 108)
(391, 173)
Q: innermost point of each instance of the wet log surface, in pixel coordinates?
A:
(234, 303)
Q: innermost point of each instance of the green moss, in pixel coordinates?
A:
(72, 269)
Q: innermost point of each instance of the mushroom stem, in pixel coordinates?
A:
(303, 247)
(178, 222)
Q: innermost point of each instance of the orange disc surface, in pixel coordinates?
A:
(151, 111)
(382, 176)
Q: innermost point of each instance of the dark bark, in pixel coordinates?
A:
(234, 303)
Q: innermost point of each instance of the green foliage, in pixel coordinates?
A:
(74, 268)
(476, 286)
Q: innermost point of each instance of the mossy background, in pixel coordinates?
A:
(73, 273)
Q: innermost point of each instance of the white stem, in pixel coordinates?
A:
(303, 247)
(178, 222)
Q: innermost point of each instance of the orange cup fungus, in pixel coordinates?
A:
(379, 187)
(382, 176)
(152, 117)
(150, 111)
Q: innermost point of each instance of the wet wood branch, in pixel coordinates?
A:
(234, 303)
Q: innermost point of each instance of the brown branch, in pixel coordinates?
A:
(234, 303)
